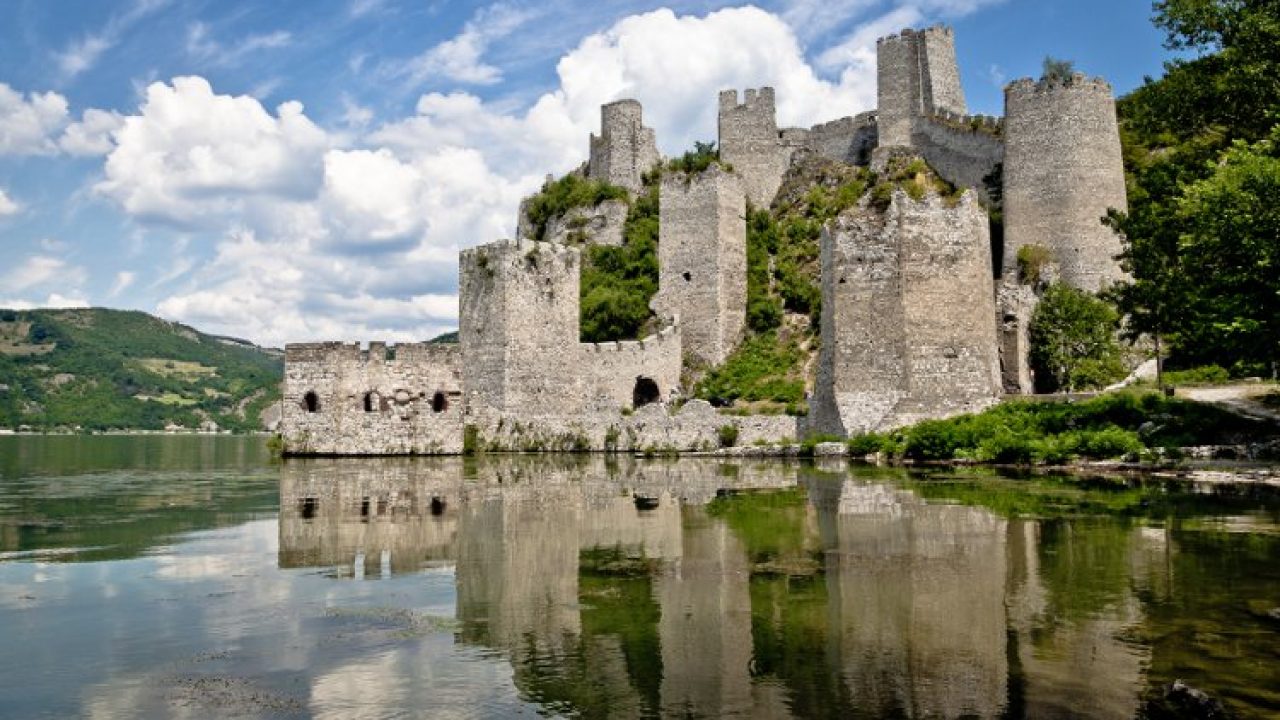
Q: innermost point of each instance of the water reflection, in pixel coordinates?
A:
(828, 595)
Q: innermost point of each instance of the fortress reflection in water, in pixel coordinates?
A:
(829, 595)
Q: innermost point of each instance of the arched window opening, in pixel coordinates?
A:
(311, 401)
(646, 392)
(370, 401)
(439, 403)
(307, 507)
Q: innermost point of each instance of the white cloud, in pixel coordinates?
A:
(124, 279)
(52, 300)
(459, 58)
(41, 271)
(192, 156)
(360, 8)
(28, 124)
(8, 206)
(202, 46)
(92, 135)
(82, 54)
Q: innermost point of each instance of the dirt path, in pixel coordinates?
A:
(1242, 399)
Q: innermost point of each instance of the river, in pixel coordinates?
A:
(185, 576)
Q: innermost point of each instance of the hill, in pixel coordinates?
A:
(100, 369)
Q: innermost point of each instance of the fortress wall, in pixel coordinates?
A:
(625, 148)
(612, 369)
(962, 156)
(940, 74)
(750, 142)
(367, 404)
(948, 308)
(1062, 171)
(898, 92)
(848, 140)
(702, 260)
(908, 327)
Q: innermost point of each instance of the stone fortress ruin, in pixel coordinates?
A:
(924, 312)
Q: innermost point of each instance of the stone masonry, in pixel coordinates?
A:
(625, 148)
(749, 142)
(340, 400)
(908, 329)
(702, 260)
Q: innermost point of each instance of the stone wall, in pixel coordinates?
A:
(1062, 171)
(908, 321)
(625, 148)
(340, 400)
(964, 150)
(702, 259)
(749, 142)
(848, 140)
(916, 75)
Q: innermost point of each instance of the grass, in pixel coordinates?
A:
(1117, 425)
(762, 369)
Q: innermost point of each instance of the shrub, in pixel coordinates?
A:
(695, 160)
(1032, 260)
(728, 435)
(1206, 374)
(867, 444)
(559, 196)
(1073, 341)
(1109, 442)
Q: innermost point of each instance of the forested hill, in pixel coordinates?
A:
(99, 369)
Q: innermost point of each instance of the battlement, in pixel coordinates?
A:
(668, 334)
(757, 100)
(912, 34)
(1078, 84)
(375, 352)
(968, 123)
(625, 149)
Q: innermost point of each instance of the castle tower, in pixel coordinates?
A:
(908, 316)
(916, 75)
(1062, 171)
(625, 148)
(518, 326)
(749, 141)
(702, 260)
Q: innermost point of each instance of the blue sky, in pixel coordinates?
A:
(297, 171)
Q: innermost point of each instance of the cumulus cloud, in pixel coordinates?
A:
(8, 206)
(92, 135)
(190, 156)
(461, 58)
(29, 123)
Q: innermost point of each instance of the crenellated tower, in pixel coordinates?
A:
(625, 148)
(750, 142)
(916, 77)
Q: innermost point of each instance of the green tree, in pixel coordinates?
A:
(1073, 341)
(1056, 70)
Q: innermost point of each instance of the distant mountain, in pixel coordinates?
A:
(446, 338)
(99, 369)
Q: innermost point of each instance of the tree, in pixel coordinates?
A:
(1056, 70)
(1073, 341)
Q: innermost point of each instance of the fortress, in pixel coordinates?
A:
(923, 311)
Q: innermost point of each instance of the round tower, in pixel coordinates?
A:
(1062, 171)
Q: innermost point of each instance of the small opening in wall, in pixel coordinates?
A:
(439, 403)
(364, 507)
(311, 401)
(646, 392)
(437, 505)
(370, 401)
(688, 277)
(307, 507)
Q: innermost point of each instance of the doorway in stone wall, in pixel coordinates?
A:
(645, 392)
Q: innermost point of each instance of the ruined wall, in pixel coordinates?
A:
(964, 150)
(750, 142)
(598, 225)
(916, 75)
(908, 321)
(625, 148)
(848, 140)
(1062, 171)
(340, 400)
(612, 370)
(702, 260)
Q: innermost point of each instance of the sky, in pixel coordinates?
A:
(289, 172)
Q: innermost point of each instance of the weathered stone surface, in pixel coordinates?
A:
(1062, 172)
(625, 149)
(908, 321)
(702, 260)
(598, 225)
(916, 75)
(341, 400)
(749, 142)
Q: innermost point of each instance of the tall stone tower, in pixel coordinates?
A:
(916, 76)
(702, 260)
(908, 316)
(1062, 170)
(625, 148)
(749, 141)
(518, 319)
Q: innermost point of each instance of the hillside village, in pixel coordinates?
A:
(920, 221)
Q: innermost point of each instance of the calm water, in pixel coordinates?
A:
(194, 577)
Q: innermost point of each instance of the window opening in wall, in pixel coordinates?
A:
(364, 507)
(437, 505)
(646, 392)
(370, 402)
(688, 277)
(307, 507)
(311, 401)
(439, 403)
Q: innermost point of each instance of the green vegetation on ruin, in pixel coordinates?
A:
(99, 369)
(1073, 341)
(558, 197)
(765, 374)
(1121, 425)
(618, 282)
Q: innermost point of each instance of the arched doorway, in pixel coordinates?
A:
(311, 402)
(439, 403)
(645, 392)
